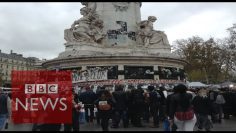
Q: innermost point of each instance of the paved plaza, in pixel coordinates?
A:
(226, 125)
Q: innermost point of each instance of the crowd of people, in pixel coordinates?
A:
(178, 109)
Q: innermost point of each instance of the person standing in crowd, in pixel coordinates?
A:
(120, 107)
(130, 105)
(88, 98)
(219, 105)
(99, 92)
(227, 107)
(181, 112)
(202, 108)
(234, 102)
(5, 104)
(154, 105)
(104, 105)
(146, 112)
(168, 101)
(137, 99)
(75, 115)
(212, 97)
(162, 103)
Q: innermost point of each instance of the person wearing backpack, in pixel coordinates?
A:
(219, 105)
(212, 96)
(104, 106)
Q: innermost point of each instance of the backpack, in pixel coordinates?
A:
(220, 99)
(103, 105)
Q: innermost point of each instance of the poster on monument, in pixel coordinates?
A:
(94, 73)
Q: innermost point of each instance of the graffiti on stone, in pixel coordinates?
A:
(121, 34)
(123, 26)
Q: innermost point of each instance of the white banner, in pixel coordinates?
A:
(90, 74)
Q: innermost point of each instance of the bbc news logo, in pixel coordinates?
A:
(33, 104)
(41, 88)
(42, 97)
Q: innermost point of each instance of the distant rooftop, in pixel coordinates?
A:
(16, 56)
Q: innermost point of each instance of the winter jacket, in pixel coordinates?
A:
(121, 100)
(88, 97)
(180, 103)
(202, 105)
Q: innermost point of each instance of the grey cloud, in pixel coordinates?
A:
(36, 29)
(170, 14)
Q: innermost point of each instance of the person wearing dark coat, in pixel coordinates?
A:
(120, 107)
(212, 97)
(168, 101)
(154, 105)
(202, 108)
(137, 99)
(99, 92)
(4, 108)
(105, 114)
(130, 109)
(146, 113)
(228, 106)
(88, 98)
(162, 106)
(181, 102)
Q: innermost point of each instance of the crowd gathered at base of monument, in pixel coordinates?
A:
(178, 109)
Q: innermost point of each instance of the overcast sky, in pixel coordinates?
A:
(37, 29)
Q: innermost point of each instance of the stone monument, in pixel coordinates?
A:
(112, 34)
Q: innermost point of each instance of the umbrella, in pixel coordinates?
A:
(197, 84)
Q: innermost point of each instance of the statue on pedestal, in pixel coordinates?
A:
(146, 34)
(88, 29)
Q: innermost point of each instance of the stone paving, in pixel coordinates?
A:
(226, 125)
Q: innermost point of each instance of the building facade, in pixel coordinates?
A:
(14, 61)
